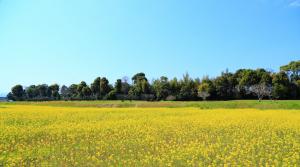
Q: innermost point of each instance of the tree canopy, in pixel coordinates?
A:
(242, 84)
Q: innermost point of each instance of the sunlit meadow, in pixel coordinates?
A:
(33, 135)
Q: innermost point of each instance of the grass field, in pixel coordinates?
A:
(236, 104)
(245, 133)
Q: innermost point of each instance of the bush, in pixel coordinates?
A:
(111, 95)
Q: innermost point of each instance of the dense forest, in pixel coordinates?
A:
(243, 84)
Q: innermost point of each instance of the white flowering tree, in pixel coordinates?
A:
(261, 90)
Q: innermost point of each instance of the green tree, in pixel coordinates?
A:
(161, 88)
(104, 87)
(296, 88)
(80, 89)
(111, 95)
(188, 89)
(95, 87)
(54, 91)
(245, 78)
(292, 70)
(10, 96)
(145, 86)
(210, 86)
(73, 91)
(18, 93)
(225, 86)
(139, 77)
(118, 86)
(32, 92)
(125, 87)
(248, 77)
(65, 92)
(203, 90)
(280, 84)
(174, 87)
(86, 92)
(44, 92)
(140, 86)
(264, 77)
(284, 85)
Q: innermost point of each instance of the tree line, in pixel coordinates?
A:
(242, 84)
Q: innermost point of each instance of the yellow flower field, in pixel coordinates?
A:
(81, 136)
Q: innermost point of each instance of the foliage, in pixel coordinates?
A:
(17, 93)
(261, 90)
(228, 86)
(161, 88)
(292, 69)
(280, 84)
(95, 87)
(118, 86)
(203, 90)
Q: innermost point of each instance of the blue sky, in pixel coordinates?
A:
(66, 41)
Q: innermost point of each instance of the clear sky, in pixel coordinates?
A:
(66, 41)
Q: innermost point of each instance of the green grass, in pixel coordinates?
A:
(235, 104)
